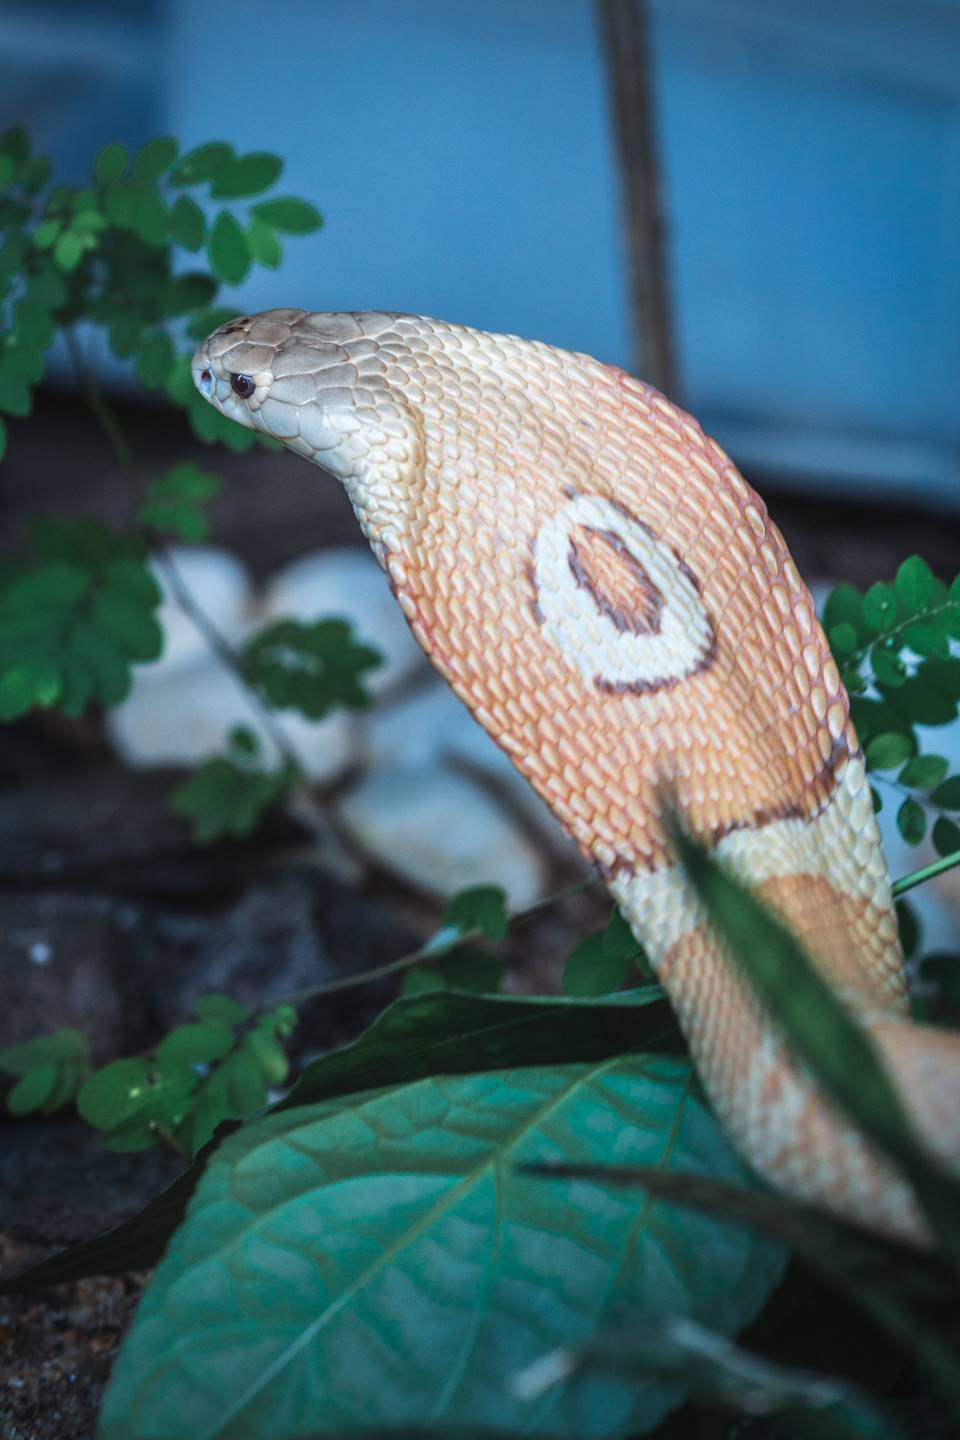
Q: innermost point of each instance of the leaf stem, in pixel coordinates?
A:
(917, 877)
(441, 943)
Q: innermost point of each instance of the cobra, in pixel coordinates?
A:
(598, 583)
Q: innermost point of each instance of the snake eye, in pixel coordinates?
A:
(242, 385)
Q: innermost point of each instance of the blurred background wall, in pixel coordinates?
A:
(465, 159)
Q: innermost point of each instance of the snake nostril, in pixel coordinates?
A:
(206, 381)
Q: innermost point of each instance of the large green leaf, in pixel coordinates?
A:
(441, 1033)
(379, 1262)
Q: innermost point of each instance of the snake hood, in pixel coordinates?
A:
(611, 599)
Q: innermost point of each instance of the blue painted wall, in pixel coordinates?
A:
(463, 156)
(460, 152)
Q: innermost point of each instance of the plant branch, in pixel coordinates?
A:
(917, 877)
(441, 943)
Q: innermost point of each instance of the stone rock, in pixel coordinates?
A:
(57, 969)
(290, 931)
(440, 832)
(433, 728)
(221, 588)
(347, 583)
(185, 716)
(59, 1185)
(110, 829)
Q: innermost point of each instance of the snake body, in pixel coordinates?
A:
(610, 598)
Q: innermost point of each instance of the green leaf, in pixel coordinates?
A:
(923, 771)
(63, 1044)
(151, 220)
(227, 249)
(46, 287)
(911, 822)
(34, 324)
(880, 608)
(45, 235)
(120, 205)
(130, 627)
(268, 1055)
(293, 217)
(35, 174)
(203, 163)
(619, 941)
(592, 970)
(927, 639)
(246, 175)
(915, 585)
(219, 1007)
(482, 907)
(263, 244)
(113, 1094)
(947, 795)
(468, 968)
(173, 501)
(155, 360)
(124, 330)
(824, 1034)
(196, 1044)
(908, 927)
(442, 1033)
(69, 250)
(946, 836)
(310, 668)
(843, 638)
(155, 157)
(222, 799)
(845, 607)
(14, 394)
(886, 752)
(455, 1246)
(903, 1291)
(127, 1098)
(920, 702)
(15, 142)
(188, 292)
(187, 223)
(33, 1089)
(110, 164)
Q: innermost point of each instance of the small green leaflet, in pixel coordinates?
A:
(73, 625)
(601, 963)
(49, 1071)
(310, 667)
(482, 907)
(174, 502)
(216, 1068)
(226, 797)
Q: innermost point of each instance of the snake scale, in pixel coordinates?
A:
(610, 598)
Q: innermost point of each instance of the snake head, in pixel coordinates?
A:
(315, 382)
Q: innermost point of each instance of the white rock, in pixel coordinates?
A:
(347, 583)
(440, 832)
(186, 715)
(434, 728)
(221, 588)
